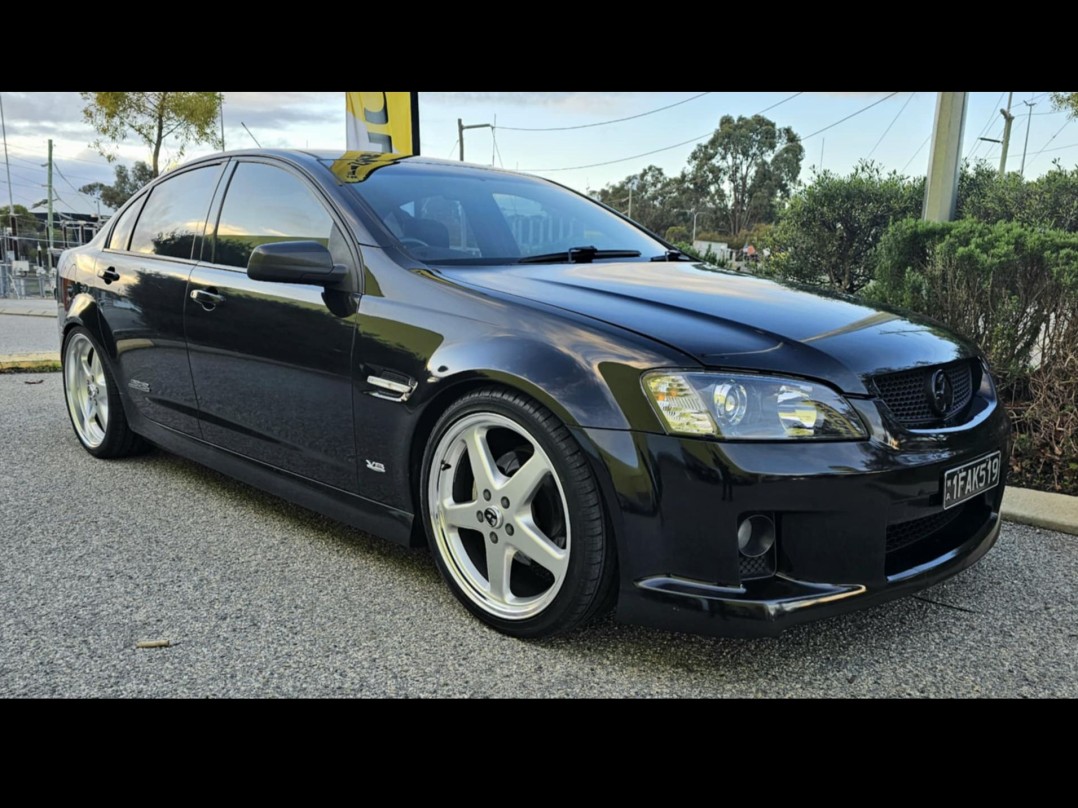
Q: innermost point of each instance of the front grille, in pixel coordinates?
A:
(904, 534)
(906, 394)
(762, 566)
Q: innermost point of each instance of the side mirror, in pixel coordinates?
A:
(294, 262)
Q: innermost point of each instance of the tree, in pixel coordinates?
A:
(830, 231)
(181, 118)
(746, 170)
(127, 183)
(1049, 201)
(1067, 101)
(658, 201)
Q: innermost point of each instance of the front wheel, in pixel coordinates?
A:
(514, 516)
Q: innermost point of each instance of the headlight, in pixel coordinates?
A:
(736, 406)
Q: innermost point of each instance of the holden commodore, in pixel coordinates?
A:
(571, 413)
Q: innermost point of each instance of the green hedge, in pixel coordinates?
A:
(1013, 289)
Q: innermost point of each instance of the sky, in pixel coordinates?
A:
(892, 129)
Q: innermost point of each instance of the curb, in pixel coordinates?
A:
(28, 312)
(41, 361)
(1041, 509)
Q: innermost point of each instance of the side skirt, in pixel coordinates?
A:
(352, 509)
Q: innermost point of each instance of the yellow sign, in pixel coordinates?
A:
(382, 122)
(354, 166)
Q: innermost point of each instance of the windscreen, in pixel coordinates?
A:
(443, 215)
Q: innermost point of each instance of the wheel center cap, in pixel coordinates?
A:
(494, 517)
(93, 390)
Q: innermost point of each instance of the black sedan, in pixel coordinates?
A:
(567, 410)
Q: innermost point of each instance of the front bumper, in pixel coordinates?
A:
(858, 523)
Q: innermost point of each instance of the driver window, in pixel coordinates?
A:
(265, 204)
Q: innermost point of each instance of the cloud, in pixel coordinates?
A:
(568, 102)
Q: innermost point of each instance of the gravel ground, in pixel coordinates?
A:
(262, 599)
(19, 334)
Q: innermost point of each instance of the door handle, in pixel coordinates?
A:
(109, 275)
(209, 300)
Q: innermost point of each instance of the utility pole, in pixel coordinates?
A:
(221, 102)
(945, 159)
(1007, 118)
(49, 262)
(1029, 120)
(460, 132)
(10, 195)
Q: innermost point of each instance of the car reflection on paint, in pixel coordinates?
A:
(570, 413)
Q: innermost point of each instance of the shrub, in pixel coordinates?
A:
(1013, 289)
(830, 230)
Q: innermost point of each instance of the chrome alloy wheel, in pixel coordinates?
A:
(86, 390)
(499, 516)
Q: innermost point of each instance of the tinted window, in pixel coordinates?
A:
(460, 216)
(121, 234)
(175, 214)
(265, 204)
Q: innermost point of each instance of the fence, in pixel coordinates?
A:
(24, 281)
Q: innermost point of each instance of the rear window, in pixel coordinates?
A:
(175, 214)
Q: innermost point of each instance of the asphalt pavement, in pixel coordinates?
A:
(259, 598)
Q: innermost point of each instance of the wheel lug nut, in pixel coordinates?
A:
(509, 529)
(479, 515)
(493, 537)
(486, 496)
(505, 502)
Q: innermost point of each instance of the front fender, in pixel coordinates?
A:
(584, 372)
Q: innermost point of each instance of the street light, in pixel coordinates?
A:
(694, 213)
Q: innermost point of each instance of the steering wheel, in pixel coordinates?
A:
(413, 242)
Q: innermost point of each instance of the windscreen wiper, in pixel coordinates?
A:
(577, 255)
(673, 255)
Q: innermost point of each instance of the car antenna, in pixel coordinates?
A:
(248, 131)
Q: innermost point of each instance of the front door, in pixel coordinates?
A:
(272, 362)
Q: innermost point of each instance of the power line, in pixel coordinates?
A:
(892, 123)
(655, 151)
(69, 185)
(916, 153)
(39, 166)
(601, 123)
(779, 104)
(73, 159)
(21, 184)
(851, 115)
(1066, 123)
(1055, 149)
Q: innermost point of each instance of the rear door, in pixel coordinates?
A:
(141, 287)
(272, 362)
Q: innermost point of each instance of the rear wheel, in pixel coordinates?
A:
(93, 401)
(514, 516)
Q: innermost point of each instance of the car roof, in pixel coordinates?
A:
(326, 157)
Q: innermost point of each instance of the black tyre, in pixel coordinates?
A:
(93, 400)
(514, 516)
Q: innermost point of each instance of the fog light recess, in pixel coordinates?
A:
(755, 535)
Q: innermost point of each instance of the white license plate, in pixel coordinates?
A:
(971, 479)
